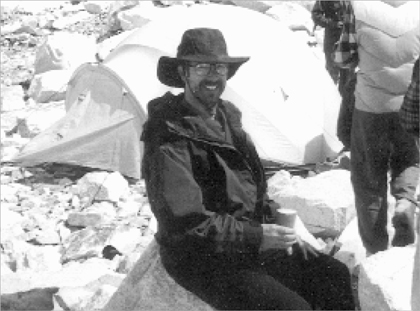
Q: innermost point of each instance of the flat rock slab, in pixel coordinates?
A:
(149, 287)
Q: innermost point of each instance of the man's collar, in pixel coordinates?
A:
(200, 110)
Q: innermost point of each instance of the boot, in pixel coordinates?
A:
(403, 222)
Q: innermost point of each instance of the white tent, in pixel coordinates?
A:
(289, 103)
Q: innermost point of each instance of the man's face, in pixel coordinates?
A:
(206, 82)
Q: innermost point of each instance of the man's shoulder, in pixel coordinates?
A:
(162, 105)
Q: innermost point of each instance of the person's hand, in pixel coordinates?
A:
(305, 248)
(277, 237)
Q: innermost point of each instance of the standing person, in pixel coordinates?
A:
(328, 14)
(410, 121)
(207, 189)
(382, 39)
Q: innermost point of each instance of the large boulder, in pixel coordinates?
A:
(324, 202)
(149, 287)
(50, 86)
(64, 50)
(385, 280)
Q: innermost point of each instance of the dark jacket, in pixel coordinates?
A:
(208, 194)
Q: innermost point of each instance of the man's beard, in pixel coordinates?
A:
(208, 98)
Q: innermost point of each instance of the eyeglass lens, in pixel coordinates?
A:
(204, 69)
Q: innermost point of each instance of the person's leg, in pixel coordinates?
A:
(228, 284)
(405, 174)
(370, 150)
(345, 115)
(323, 281)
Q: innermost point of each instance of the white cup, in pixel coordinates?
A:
(286, 217)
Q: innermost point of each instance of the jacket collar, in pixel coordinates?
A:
(196, 124)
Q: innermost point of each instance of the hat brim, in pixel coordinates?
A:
(167, 70)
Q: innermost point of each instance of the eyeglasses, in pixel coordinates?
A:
(205, 69)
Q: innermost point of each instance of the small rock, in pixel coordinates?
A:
(48, 236)
(128, 208)
(86, 243)
(103, 186)
(86, 219)
(146, 210)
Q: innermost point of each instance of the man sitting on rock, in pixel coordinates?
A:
(207, 188)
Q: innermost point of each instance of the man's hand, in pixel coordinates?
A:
(306, 248)
(277, 237)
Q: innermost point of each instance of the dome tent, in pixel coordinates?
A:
(289, 103)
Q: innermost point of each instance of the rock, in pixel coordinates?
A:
(292, 15)
(153, 224)
(352, 252)
(125, 239)
(35, 299)
(63, 231)
(10, 219)
(324, 202)
(129, 260)
(135, 17)
(90, 242)
(62, 51)
(118, 6)
(101, 297)
(96, 7)
(48, 236)
(12, 98)
(92, 296)
(103, 186)
(74, 275)
(21, 256)
(50, 86)
(385, 280)
(149, 287)
(87, 219)
(146, 210)
(128, 208)
(73, 298)
(256, 5)
(86, 243)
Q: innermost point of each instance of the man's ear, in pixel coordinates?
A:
(183, 73)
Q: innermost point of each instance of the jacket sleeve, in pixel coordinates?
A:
(176, 200)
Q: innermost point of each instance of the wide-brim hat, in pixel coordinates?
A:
(202, 45)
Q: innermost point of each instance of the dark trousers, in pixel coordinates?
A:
(347, 86)
(379, 145)
(245, 283)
